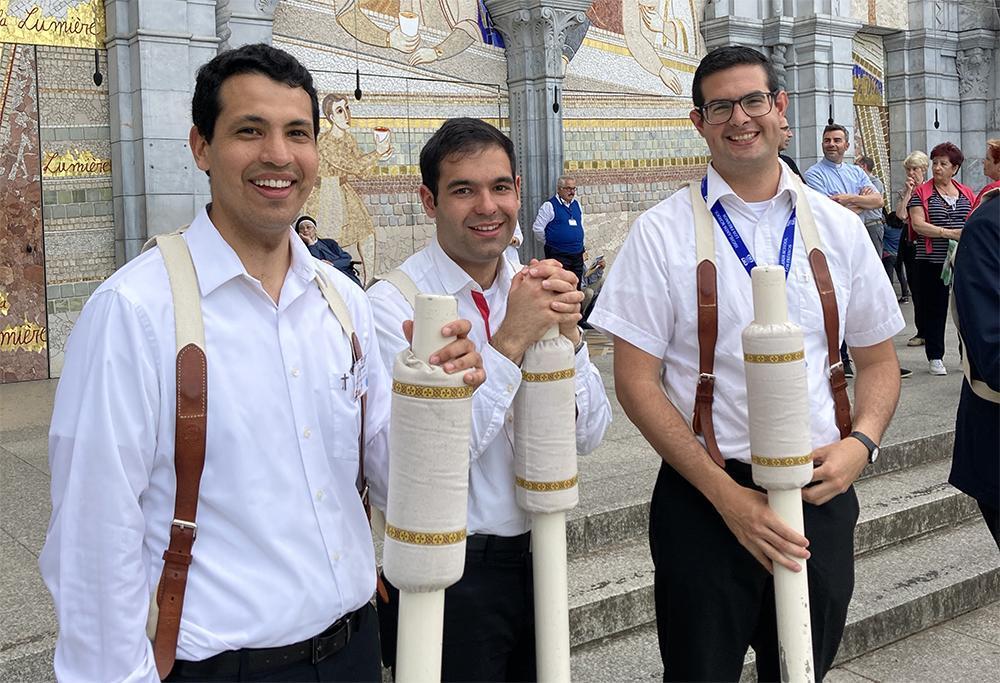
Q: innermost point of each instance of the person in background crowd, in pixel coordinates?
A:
(938, 210)
(786, 140)
(559, 226)
(845, 184)
(975, 468)
(325, 249)
(874, 219)
(991, 168)
(915, 165)
(875, 224)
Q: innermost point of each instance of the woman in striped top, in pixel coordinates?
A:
(937, 210)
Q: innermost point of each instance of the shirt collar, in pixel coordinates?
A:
(719, 188)
(453, 278)
(826, 163)
(216, 263)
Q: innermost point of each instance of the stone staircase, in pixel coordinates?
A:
(923, 556)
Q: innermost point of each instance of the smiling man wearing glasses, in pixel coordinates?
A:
(559, 226)
(713, 538)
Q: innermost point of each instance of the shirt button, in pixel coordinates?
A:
(320, 495)
(510, 418)
(510, 388)
(335, 557)
(295, 372)
(306, 432)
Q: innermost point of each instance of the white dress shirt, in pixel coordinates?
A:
(283, 546)
(650, 299)
(492, 506)
(545, 215)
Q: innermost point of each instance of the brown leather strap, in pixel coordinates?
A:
(708, 334)
(189, 461)
(831, 324)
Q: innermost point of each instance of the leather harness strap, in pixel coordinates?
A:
(708, 334)
(189, 447)
(708, 317)
(831, 324)
(189, 437)
(189, 461)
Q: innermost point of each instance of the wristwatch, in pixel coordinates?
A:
(873, 449)
(579, 344)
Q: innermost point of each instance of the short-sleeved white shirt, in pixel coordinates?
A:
(649, 299)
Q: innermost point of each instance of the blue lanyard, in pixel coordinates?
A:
(736, 242)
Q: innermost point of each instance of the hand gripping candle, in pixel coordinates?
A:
(426, 510)
(546, 481)
(781, 449)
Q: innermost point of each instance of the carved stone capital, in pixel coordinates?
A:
(974, 72)
(535, 34)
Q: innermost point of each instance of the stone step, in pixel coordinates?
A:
(899, 591)
(615, 509)
(611, 588)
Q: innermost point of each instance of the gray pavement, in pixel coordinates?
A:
(965, 648)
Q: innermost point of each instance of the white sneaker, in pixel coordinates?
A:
(937, 367)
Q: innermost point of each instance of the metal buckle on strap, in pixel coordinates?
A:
(706, 377)
(186, 525)
(838, 364)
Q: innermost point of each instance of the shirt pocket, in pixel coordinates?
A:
(339, 415)
(810, 314)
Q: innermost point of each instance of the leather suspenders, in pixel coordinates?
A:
(708, 317)
(166, 609)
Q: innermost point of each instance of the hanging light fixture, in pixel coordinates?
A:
(98, 76)
(555, 100)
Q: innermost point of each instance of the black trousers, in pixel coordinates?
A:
(894, 264)
(908, 255)
(489, 615)
(357, 661)
(991, 516)
(571, 262)
(930, 307)
(713, 599)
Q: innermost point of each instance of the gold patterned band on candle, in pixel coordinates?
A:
(548, 376)
(791, 461)
(420, 391)
(425, 537)
(774, 357)
(546, 486)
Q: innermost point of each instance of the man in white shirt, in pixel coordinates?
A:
(713, 537)
(559, 226)
(283, 567)
(471, 190)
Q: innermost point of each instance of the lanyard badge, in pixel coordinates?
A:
(740, 247)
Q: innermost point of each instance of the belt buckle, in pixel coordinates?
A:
(326, 646)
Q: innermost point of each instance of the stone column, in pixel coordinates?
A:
(820, 74)
(974, 64)
(534, 32)
(242, 22)
(154, 49)
(921, 79)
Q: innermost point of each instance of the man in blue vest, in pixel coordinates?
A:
(559, 226)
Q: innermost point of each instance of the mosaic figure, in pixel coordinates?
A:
(464, 22)
(336, 204)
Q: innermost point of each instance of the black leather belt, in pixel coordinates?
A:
(256, 660)
(490, 544)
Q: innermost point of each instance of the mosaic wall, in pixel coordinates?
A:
(871, 113)
(419, 63)
(22, 272)
(886, 13)
(76, 185)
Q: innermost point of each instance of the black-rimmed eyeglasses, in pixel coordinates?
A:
(755, 104)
